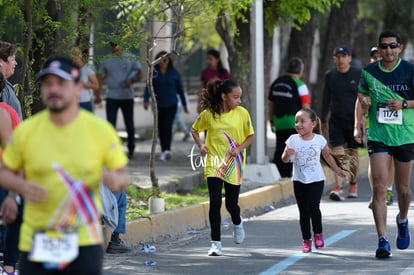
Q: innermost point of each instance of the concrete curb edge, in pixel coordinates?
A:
(175, 222)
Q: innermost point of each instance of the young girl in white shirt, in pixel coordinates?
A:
(304, 150)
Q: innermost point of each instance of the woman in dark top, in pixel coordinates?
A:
(167, 84)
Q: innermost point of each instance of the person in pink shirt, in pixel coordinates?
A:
(214, 70)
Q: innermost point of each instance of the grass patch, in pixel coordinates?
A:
(137, 206)
(362, 151)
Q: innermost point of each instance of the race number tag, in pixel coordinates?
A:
(54, 247)
(385, 115)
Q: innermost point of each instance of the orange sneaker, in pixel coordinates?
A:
(352, 191)
(337, 194)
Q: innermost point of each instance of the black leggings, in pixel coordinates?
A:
(89, 262)
(285, 169)
(308, 197)
(232, 197)
(166, 117)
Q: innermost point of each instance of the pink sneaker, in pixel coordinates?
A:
(307, 246)
(318, 238)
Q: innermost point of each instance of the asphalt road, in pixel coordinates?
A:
(273, 243)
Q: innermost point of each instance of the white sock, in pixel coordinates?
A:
(401, 220)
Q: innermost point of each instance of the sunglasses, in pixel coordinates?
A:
(392, 45)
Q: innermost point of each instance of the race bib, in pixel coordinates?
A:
(54, 247)
(385, 115)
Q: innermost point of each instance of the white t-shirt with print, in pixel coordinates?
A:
(307, 167)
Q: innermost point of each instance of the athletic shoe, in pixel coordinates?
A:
(352, 191)
(166, 155)
(4, 272)
(117, 248)
(384, 249)
(238, 232)
(318, 238)
(215, 249)
(307, 246)
(403, 237)
(388, 198)
(337, 195)
(186, 136)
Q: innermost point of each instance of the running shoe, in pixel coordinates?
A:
(165, 155)
(403, 237)
(307, 246)
(238, 232)
(117, 248)
(215, 249)
(352, 191)
(337, 195)
(318, 238)
(388, 198)
(186, 136)
(384, 249)
(4, 272)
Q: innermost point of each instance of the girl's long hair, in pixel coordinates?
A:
(211, 96)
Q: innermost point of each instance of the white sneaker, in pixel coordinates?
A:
(238, 232)
(215, 249)
(166, 155)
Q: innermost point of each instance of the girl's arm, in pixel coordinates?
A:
(326, 153)
(287, 153)
(196, 136)
(236, 151)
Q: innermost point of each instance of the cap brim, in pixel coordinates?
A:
(60, 73)
(341, 52)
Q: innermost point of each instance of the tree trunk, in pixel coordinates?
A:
(154, 109)
(25, 76)
(341, 24)
(239, 53)
(301, 42)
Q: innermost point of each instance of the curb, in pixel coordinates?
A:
(195, 217)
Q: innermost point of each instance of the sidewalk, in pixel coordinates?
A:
(174, 175)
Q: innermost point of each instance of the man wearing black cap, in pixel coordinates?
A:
(62, 151)
(339, 96)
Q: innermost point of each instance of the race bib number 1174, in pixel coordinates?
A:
(385, 115)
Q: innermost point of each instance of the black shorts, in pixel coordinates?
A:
(341, 133)
(403, 153)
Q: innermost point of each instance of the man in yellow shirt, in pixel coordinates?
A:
(63, 152)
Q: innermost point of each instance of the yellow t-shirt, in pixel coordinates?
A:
(223, 133)
(68, 162)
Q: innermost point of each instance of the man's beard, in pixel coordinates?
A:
(57, 110)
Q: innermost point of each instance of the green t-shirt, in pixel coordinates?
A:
(381, 85)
